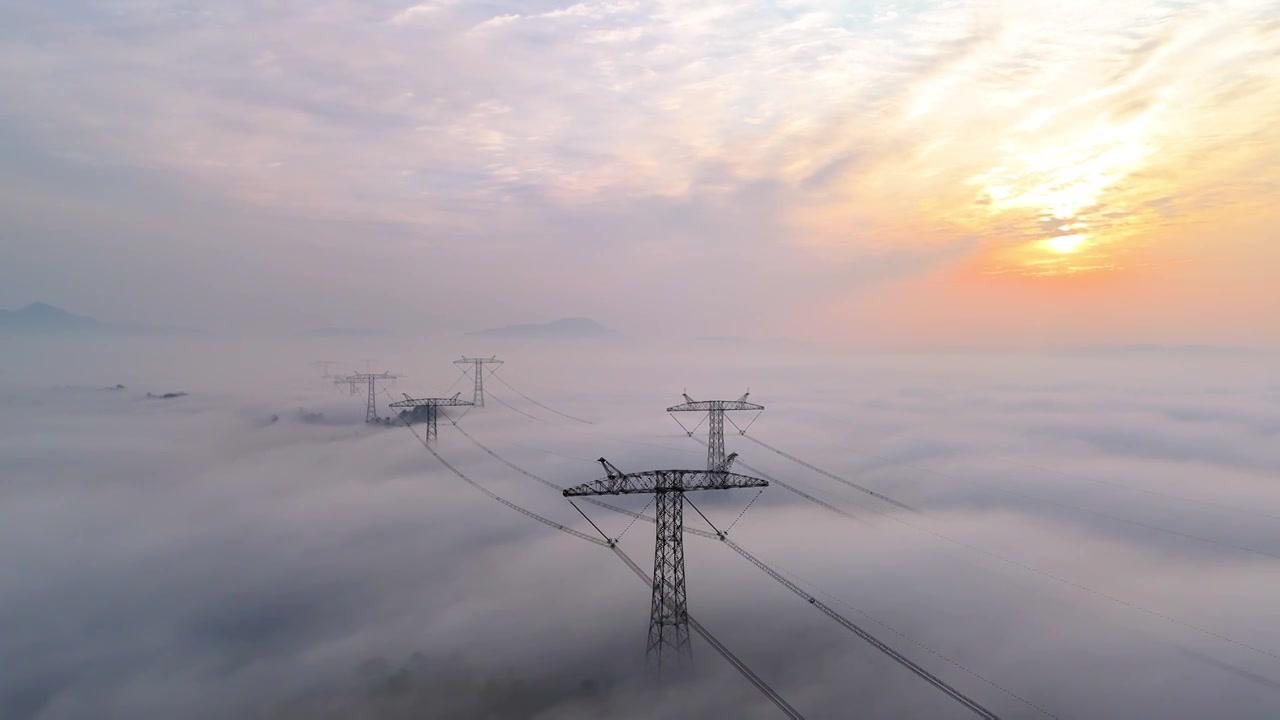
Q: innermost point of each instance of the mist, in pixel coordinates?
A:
(1096, 535)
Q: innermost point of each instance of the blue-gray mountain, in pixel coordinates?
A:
(44, 319)
(40, 317)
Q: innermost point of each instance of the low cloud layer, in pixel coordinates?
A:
(1097, 541)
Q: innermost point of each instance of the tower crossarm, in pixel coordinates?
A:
(706, 405)
(669, 608)
(470, 360)
(658, 481)
(438, 402)
(365, 377)
(691, 405)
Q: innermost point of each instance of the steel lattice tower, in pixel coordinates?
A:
(371, 412)
(428, 410)
(478, 363)
(715, 409)
(324, 365)
(669, 609)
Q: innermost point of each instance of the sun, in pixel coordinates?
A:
(1059, 255)
(1064, 244)
(1075, 183)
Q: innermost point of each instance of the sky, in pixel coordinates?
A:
(953, 174)
(1094, 535)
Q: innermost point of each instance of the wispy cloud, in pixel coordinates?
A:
(1064, 139)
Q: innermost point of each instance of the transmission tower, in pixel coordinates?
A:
(345, 380)
(371, 413)
(715, 410)
(478, 363)
(427, 410)
(669, 609)
(324, 366)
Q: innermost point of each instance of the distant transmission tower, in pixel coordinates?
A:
(478, 363)
(715, 410)
(428, 410)
(669, 610)
(346, 380)
(371, 413)
(324, 365)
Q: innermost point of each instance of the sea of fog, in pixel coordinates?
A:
(1098, 533)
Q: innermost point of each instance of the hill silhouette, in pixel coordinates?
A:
(41, 317)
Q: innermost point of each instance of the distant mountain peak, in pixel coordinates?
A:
(41, 317)
(564, 328)
(45, 309)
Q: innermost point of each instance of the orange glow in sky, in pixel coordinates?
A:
(842, 152)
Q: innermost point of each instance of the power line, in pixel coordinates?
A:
(559, 488)
(896, 656)
(833, 476)
(719, 647)
(997, 556)
(930, 650)
(669, 611)
(555, 486)
(1069, 583)
(744, 511)
(499, 378)
(544, 520)
(792, 488)
(456, 381)
(509, 406)
(1028, 496)
(715, 643)
(637, 517)
(845, 622)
